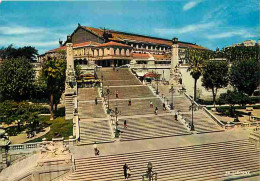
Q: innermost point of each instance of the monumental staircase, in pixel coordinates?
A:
(211, 161)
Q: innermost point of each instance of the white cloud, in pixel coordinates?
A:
(186, 29)
(245, 33)
(16, 30)
(191, 5)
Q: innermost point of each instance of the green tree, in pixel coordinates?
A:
(244, 75)
(196, 60)
(232, 98)
(215, 76)
(16, 79)
(53, 72)
(28, 52)
(239, 53)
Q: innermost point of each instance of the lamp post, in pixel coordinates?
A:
(102, 82)
(157, 79)
(172, 91)
(192, 110)
(108, 91)
(150, 175)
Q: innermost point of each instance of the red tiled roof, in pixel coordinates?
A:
(122, 36)
(88, 43)
(141, 55)
(57, 49)
(112, 43)
(160, 57)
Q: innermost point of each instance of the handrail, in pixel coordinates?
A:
(214, 117)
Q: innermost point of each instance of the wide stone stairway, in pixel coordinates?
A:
(93, 124)
(209, 161)
(122, 76)
(95, 131)
(151, 127)
(202, 122)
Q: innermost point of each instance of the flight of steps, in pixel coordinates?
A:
(118, 78)
(151, 127)
(130, 92)
(202, 122)
(198, 162)
(88, 110)
(95, 131)
(69, 106)
(138, 107)
(87, 94)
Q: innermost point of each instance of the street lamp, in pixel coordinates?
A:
(108, 91)
(150, 175)
(157, 79)
(192, 110)
(116, 116)
(172, 91)
(102, 82)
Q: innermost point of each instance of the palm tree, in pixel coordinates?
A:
(196, 59)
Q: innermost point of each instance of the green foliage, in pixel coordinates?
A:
(54, 76)
(238, 53)
(215, 76)
(78, 71)
(232, 98)
(59, 125)
(196, 60)
(244, 75)
(26, 113)
(28, 52)
(16, 79)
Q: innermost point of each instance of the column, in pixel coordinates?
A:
(175, 53)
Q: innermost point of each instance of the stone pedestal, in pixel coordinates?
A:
(71, 84)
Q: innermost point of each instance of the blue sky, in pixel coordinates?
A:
(210, 23)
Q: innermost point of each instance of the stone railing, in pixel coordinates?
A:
(25, 146)
(192, 100)
(214, 117)
(37, 145)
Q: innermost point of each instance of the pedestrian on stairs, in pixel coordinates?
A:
(96, 101)
(125, 125)
(151, 104)
(125, 167)
(116, 93)
(96, 150)
(156, 111)
(164, 107)
(129, 102)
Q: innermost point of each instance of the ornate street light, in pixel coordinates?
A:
(150, 175)
(102, 82)
(108, 92)
(157, 79)
(172, 91)
(192, 107)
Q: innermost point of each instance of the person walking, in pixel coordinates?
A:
(116, 93)
(96, 101)
(164, 107)
(151, 104)
(156, 111)
(125, 125)
(96, 150)
(128, 171)
(129, 102)
(125, 167)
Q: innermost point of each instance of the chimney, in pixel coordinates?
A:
(60, 42)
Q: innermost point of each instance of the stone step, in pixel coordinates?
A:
(206, 162)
